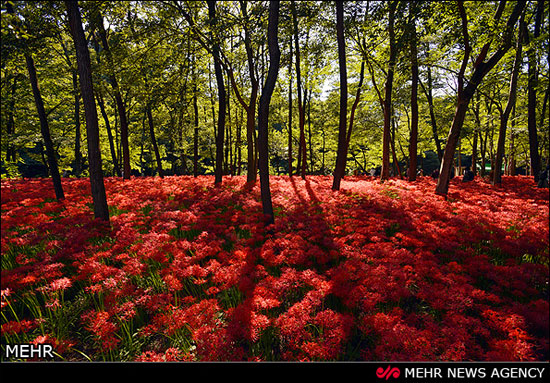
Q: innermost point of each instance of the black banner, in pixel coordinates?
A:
(460, 372)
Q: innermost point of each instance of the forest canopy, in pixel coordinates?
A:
(154, 59)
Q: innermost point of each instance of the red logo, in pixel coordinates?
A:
(388, 372)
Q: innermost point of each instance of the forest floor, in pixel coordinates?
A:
(187, 271)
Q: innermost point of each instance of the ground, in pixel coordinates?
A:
(187, 270)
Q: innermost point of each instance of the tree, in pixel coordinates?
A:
(101, 210)
(342, 127)
(413, 143)
(532, 93)
(290, 110)
(45, 129)
(302, 153)
(121, 107)
(497, 172)
(465, 93)
(44, 126)
(385, 173)
(263, 110)
(221, 94)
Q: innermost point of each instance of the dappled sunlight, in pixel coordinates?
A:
(187, 270)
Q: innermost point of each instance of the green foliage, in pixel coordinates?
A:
(162, 61)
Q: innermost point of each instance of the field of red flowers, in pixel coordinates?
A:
(186, 271)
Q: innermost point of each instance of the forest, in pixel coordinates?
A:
(276, 180)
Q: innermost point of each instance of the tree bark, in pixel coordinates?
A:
(109, 133)
(301, 112)
(385, 173)
(126, 169)
(77, 151)
(10, 123)
(413, 146)
(101, 210)
(251, 107)
(497, 173)
(429, 97)
(263, 112)
(195, 133)
(218, 172)
(45, 129)
(290, 111)
(154, 140)
(532, 96)
(481, 68)
(342, 125)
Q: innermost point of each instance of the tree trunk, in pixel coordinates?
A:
(309, 135)
(341, 154)
(238, 144)
(429, 97)
(413, 146)
(290, 111)
(263, 112)
(218, 172)
(109, 133)
(301, 112)
(481, 68)
(10, 124)
(385, 173)
(497, 172)
(77, 152)
(126, 169)
(512, 151)
(154, 140)
(355, 104)
(99, 197)
(250, 108)
(228, 147)
(532, 83)
(477, 130)
(45, 129)
(195, 133)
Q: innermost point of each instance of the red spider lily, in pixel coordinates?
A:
(388, 269)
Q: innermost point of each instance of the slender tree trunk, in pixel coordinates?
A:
(512, 151)
(195, 133)
(45, 129)
(290, 111)
(301, 112)
(77, 151)
(109, 132)
(99, 197)
(218, 172)
(154, 140)
(413, 146)
(385, 173)
(477, 130)
(532, 83)
(142, 147)
(250, 140)
(465, 94)
(355, 104)
(263, 113)
(309, 135)
(497, 173)
(429, 97)
(126, 169)
(393, 151)
(239, 149)
(341, 154)
(10, 123)
(228, 145)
